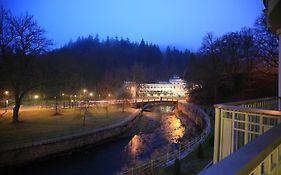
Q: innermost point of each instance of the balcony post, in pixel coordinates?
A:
(217, 135)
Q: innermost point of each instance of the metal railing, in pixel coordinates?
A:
(270, 103)
(238, 124)
(260, 157)
(168, 158)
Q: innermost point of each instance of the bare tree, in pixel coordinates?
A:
(266, 42)
(24, 40)
(7, 33)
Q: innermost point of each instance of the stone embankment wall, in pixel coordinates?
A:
(26, 153)
(195, 113)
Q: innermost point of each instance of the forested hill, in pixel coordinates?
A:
(104, 65)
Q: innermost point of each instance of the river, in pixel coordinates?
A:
(149, 138)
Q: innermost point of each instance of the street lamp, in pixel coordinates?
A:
(6, 93)
(91, 94)
(6, 104)
(36, 97)
(72, 103)
(133, 91)
(62, 94)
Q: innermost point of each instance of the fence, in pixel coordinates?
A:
(270, 103)
(185, 148)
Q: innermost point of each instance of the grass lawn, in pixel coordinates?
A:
(192, 164)
(40, 124)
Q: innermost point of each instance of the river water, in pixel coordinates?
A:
(155, 131)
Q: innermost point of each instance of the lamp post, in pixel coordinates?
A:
(6, 93)
(35, 98)
(133, 91)
(85, 105)
(62, 94)
(84, 92)
(72, 103)
(109, 95)
(91, 94)
(56, 105)
(6, 104)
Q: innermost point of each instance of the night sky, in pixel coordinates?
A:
(179, 23)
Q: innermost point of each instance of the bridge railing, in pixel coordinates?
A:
(168, 158)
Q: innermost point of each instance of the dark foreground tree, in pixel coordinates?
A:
(266, 42)
(22, 41)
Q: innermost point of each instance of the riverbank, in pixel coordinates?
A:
(39, 124)
(179, 148)
(29, 152)
(106, 158)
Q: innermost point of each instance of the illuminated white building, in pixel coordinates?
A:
(175, 87)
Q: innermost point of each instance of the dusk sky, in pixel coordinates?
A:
(179, 23)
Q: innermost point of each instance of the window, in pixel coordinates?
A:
(269, 121)
(227, 115)
(254, 119)
(239, 139)
(240, 116)
(254, 128)
(239, 125)
(252, 136)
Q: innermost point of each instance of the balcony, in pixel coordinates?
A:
(247, 138)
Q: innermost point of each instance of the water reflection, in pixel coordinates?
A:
(173, 128)
(113, 157)
(145, 146)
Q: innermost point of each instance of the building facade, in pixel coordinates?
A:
(175, 87)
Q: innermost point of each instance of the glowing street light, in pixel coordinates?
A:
(6, 105)
(91, 94)
(84, 90)
(62, 94)
(36, 96)
(6, 92)
(109, 95)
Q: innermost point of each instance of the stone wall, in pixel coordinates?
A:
(26, 153)
(195, 113)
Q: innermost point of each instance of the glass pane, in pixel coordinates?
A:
(227, 115)
(255, 128)
(269, 121)
(239, 125)
(253, 118)
(240, 117)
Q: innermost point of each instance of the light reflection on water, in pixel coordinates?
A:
(134, 145)
(173, 129)
(113, 157)
(146, 145)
